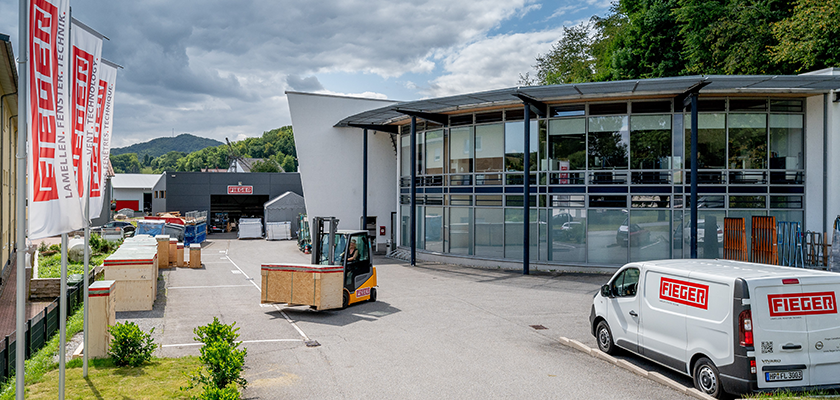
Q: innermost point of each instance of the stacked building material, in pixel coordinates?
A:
(134, 267)
(320, 286)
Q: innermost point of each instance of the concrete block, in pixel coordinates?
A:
(632, 367)
(580, 346)
(664, 380)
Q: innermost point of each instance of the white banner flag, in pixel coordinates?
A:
(100, 138)
(54, 206)
(84, 85)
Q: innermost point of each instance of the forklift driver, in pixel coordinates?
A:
(352, 252)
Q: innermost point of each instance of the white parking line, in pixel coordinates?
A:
(238, 341)
(207, 287)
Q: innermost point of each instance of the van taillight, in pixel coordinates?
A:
(745, 328)
(752, 366)
(791, 281)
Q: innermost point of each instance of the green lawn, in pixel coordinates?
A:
(50, 266)
(162, 378)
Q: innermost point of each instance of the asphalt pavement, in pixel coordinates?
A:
(439, 331)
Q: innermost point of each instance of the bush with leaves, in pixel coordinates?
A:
(130, 345)
(223, 362)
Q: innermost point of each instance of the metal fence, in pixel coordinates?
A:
(39, 330)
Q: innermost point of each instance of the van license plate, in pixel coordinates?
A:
(783, 376)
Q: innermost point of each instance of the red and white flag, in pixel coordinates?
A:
(100, 137)
(85, 59)
(54, 206)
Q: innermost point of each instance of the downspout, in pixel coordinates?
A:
(825, 164)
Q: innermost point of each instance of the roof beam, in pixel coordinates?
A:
(685, 97)
(442, 119)
(380, 128)
(537, 106)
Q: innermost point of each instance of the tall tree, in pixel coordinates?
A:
(810, 37)
(647, 47)
(570, 59)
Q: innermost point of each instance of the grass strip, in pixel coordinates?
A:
(162, 378)
(42, 362)
(50, 266)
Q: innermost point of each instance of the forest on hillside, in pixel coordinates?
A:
(641, 39)
(276, 146)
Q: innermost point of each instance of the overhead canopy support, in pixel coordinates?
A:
(689, 97)
(536, 106)
(381, 128)
(442, 119)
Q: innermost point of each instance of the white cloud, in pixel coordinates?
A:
(492, 62)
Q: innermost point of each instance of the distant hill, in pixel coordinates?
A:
(184, 143)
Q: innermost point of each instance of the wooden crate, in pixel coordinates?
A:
(320, 286)
(135, 271)
(163, 251)
(102, 311)
(173, 252)
(195, 255)
(180, 256)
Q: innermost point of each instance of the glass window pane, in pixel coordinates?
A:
(708, 222)
(605, 241)
(567, 144)
(489, 148)
(489, 232)
(421, 237)
(747, 202)
(649, 235)
(747, 141)
(786, 135)
(515, 236)
(711, 141)
(460, 150)
(460, 230)
(650, 142)
(434, 152)
(434, 229)
(405, 223)
(567, 235)
(515, 145)
(608, 141)
(405, 155)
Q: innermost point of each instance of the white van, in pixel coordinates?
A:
(732, 326)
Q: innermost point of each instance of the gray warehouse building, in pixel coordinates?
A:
(233, 195)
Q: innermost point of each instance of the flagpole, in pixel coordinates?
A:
(87, 271)
(62, 312)
(20, 194)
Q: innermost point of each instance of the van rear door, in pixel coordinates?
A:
(780, 334)
(819, 303)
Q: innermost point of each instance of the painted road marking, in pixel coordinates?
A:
(238, 341)
(207, 287)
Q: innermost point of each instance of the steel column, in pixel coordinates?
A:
(364, 180)
(526, 194)
(694, 175)
(413, 223)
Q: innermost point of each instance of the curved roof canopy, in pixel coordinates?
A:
(728, 84)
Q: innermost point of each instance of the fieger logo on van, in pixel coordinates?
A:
(690, 294)
(363, 292)
(782, 305)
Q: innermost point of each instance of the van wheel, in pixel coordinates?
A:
(372, 295)
(604, 337)
(707, 378)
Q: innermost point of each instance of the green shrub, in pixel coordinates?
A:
(130, 345)
(55, 247)
(42, 247)
(223, 361)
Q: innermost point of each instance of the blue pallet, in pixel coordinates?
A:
(195, 234)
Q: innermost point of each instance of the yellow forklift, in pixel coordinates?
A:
(349, 249)
(341, 271)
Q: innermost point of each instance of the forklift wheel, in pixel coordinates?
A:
(372, 294)
(346, 300)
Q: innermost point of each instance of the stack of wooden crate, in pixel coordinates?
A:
(319, 286)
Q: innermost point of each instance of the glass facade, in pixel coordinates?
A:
(609, 181)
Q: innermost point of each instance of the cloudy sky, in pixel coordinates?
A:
(218, 69)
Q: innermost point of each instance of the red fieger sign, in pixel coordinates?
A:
(236, 189)
(81, 74)
(783, 305)
(690, 294)
(43, 26)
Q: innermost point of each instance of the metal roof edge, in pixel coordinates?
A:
(340, 96)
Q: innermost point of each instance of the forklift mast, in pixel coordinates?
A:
(317, 235)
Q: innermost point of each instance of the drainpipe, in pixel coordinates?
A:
(413, 214)
(825, 164)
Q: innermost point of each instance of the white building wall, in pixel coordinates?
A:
(833, 170)
(131, 194)
(331, 161)
(814, 164)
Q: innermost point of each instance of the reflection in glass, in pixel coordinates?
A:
(405, 223)
(605, 237)
(514, 235)
(460, 226)
(434, 152)
(434, 229)
(421, 170)
(405, 155)
(608, 142)
(786, 133)
(489, 232)
(650, 235)
(711, 141)
(515, 145)
(489, 148)
(421, 226)
(567, 235)
(567, 144)
(708, 222)
(747, 141)
(460, 150)
(650, 142)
